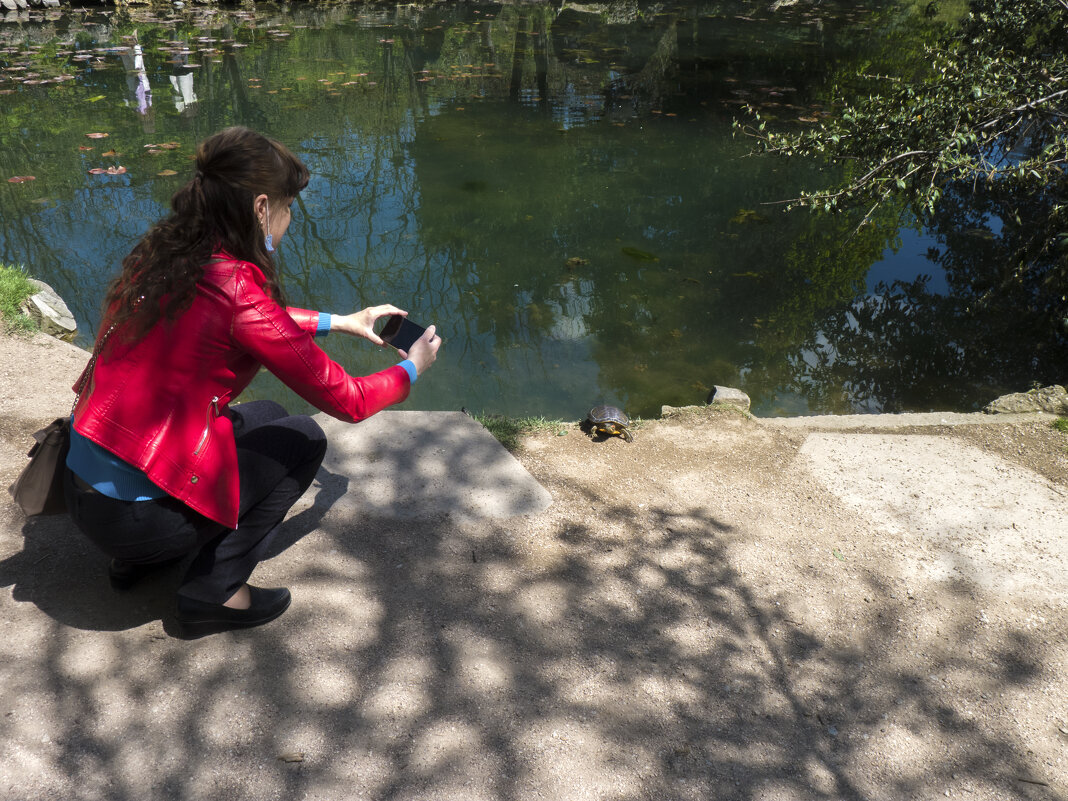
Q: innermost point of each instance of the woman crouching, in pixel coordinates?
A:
(161, 465)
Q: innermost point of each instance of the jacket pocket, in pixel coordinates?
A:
(210, 415)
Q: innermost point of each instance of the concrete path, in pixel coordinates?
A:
(988, 521)
(459, 633)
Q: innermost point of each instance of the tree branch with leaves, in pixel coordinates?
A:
(993, 107)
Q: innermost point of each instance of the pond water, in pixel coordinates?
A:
(556, 187)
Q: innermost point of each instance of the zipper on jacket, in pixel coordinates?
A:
(212, 407)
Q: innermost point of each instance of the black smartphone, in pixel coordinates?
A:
(400, 332)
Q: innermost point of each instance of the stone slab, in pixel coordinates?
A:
(971, 514)
(402, 464)
(838, 422)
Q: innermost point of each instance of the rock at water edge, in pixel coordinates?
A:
(731, 396)
(50, 312)
(1052, 399)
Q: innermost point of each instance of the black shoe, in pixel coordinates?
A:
(200, 618)
(124, 575)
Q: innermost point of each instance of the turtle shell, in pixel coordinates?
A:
(608, 414)
(609, 421)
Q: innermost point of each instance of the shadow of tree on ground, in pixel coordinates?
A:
(440, 659)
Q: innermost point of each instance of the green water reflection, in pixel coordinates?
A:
(558, 190)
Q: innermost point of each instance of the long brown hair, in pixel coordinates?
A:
(212, 212)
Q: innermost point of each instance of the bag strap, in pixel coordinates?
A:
(83, 379)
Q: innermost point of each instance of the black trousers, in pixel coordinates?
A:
(278, 456)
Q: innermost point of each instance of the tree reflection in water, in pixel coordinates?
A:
(557, 188)
(1001, 326)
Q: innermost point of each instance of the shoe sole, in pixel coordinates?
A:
(195, 629)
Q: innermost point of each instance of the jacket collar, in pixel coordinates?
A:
(221, 255)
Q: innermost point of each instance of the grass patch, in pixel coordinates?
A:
(508, 430)
(15, 287)
(1061, 424)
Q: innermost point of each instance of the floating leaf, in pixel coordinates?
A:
(640, 255)
(109, 153)
(97, 135)
(85, 148)
(96, 99)
(167, 172)
(116, 170)
(97, 171)
(19, 179)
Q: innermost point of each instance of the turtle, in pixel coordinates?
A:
(609, 421)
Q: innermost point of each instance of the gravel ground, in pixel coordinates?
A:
(722, 609)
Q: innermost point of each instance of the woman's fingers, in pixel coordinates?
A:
(377, 312)
(424, 350)
(384, 309)
(362, 323)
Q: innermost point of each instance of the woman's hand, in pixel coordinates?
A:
(424, 350)
(362, 323)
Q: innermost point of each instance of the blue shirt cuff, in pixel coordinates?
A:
(324, 324)
(409, 366)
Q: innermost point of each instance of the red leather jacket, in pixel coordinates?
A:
(160, 403)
